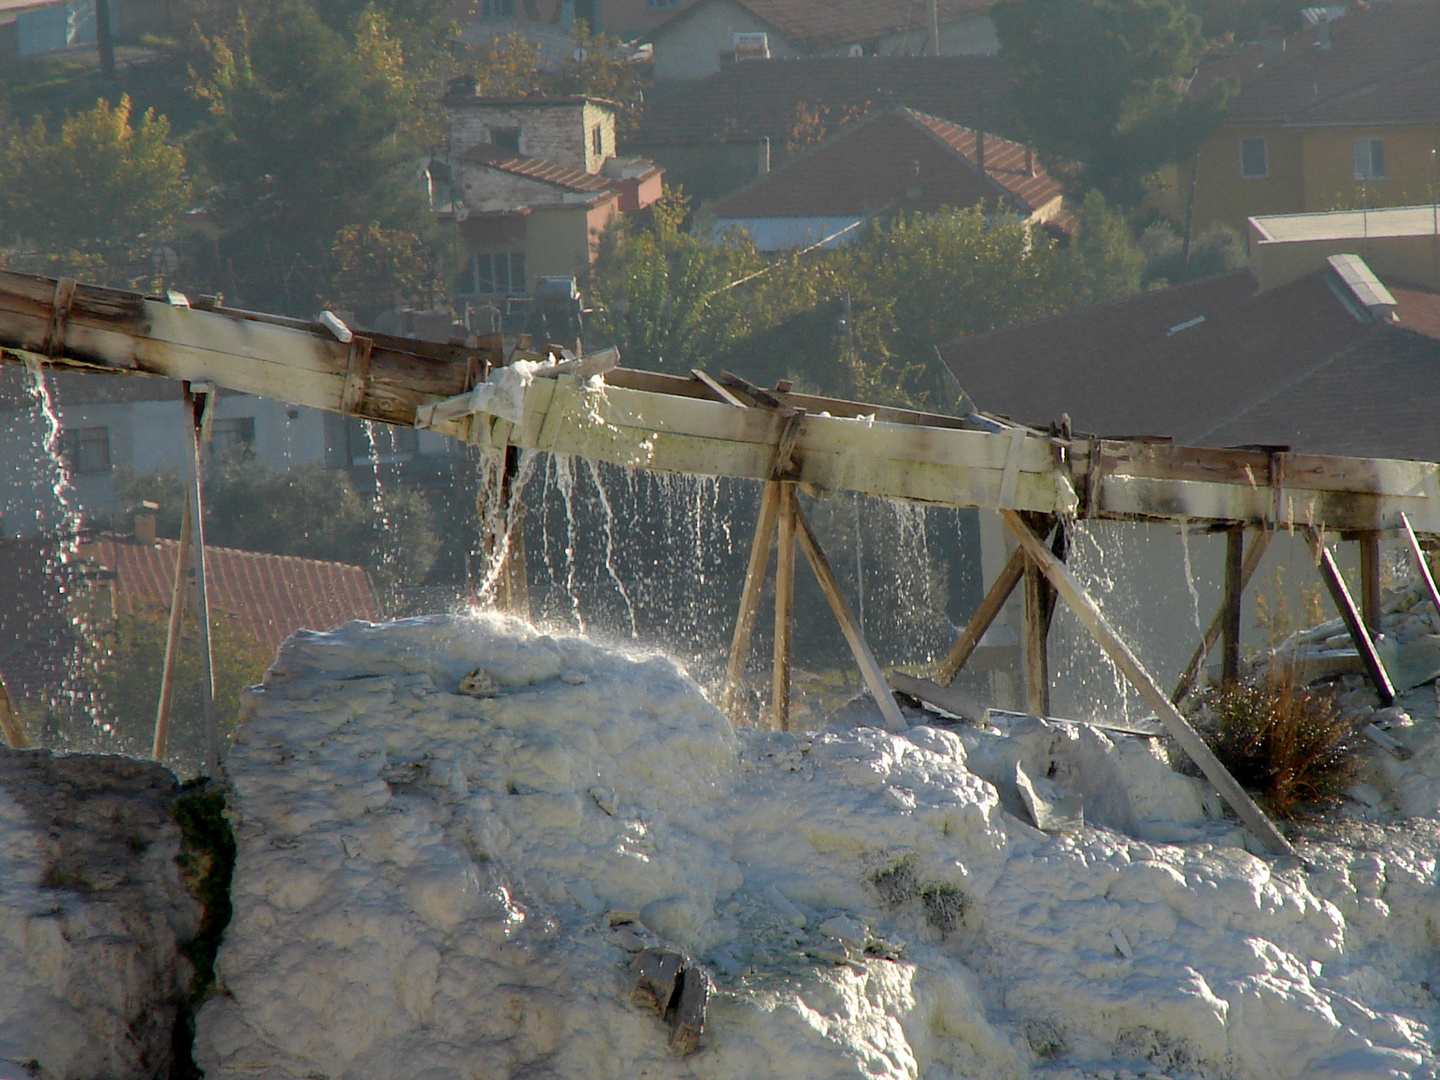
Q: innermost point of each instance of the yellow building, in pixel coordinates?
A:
(1345, 114)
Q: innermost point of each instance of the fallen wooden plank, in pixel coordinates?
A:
(687, 1019)
(849, 625)
(945, 697)
(1396, 749)
(653, 978)
(1090, 616)
(715, 388)
(1101, 725)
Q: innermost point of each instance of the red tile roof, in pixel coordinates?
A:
(272, 596)
(898, 159)
(546, 172)
(758, 98)
(1214, 363)
(823, 24)
(1381, 67)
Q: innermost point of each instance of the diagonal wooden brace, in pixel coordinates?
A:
(985, 614)
(1089, 614)
(1253, 554)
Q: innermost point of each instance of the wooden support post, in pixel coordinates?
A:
(200, 407)
(1345, 605)
(1253, 554)
(1234, 590)
(985, 614)
(10, 720)
(849, 625)
(172, 636)
(1422, 565)
(784, 610)
(750, 594)
(1037, 651)
(1089, 614)
(1370, 579)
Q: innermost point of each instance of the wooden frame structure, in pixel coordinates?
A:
(703, 425)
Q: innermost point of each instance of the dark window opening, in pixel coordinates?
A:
(506, 139)
(86, 450)
(233, 437)
(1254, 163)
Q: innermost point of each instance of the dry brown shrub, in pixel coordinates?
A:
(1287, 744)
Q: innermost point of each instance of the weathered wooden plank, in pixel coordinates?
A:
(1345, 605)
(1234, 592)
(10, 720)
(849, 625)
(1369, 544)
(1037, 651)
(946, 697)
(687, 1020)
(1253, 555)
(985, 614)
(715, 388)
(653, 978)
(784, 610)
(750, 593)
(172, 636)
(1090, 616)
(1422, 564)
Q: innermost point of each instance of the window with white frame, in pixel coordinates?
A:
(86, 449)
(1369, 159)
(500, 273)
(597, 141)
(1254, 158)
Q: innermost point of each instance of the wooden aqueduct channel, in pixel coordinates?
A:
(722, 426)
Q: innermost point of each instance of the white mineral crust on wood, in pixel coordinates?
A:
(428, 886)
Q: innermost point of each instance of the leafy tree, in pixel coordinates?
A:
(1215, 251)
(1099, 87)
(95, 193)
(1242, 20)
(1104, 260)
(377, 268)
(312, 130)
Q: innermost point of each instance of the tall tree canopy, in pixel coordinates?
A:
(95, 192)
(1100, 87)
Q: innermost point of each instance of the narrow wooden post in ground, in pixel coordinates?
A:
(1370, 579)
(1422, 564)
(199, 406)
(784, 610)
(849, 625)
(10, 721)
(172, 636)
(1234, 591)
(1037, 636)
(1359, 633)
(750, 594)
(1253, 555)
(1089, 614)
(985, 614)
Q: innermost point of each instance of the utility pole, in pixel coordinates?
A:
(105, 40)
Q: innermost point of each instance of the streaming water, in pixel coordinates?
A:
(1190, 576)
(608, 526)
(385, 542)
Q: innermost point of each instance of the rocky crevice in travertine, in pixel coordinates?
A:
(92, 916)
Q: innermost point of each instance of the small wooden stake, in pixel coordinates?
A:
(1370, 579)
(1422, 565)
(985, 614)
(750, 594)
(1256, 551)
(849, 625)
(1037, 652)
(1234, 590)
(172, 637)
(10, 721)
(1345, 605)
(1089, 614)
(784, 610)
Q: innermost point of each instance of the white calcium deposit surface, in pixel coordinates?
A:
(436, 886)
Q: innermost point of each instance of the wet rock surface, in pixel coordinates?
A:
(92, 916)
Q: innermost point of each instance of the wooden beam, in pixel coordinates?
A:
(1422, 564)
(715, 388)
(172, 636)
(946, 697)
(201, 408)
(1089, 614)
(1369, 543)
(1345, 605)
(985, 614)
(1037, 651)
(10, 721)
(849, 625)
(1256, 551)
(784, 611)
(750, 594)
(1234, 591)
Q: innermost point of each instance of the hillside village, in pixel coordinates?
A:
(411, 413)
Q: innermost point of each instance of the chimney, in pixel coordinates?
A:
(762, 163)
(1273, 38)
(1358, 284)
(145, 523)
